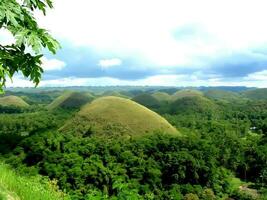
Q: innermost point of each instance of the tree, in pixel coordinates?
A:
(24, 55)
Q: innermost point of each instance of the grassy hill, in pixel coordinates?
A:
(117, 116)
(185, 93)
(193, 105)
(255, 94)
(222, 95)
(114, 93)
(13, 101)
(162, 96)
(146, 100)
(15, 187)
(71, 100)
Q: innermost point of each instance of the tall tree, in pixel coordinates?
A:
(24, 55)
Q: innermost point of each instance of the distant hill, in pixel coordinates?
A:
(256, 94)
(115, 116)
(162, 96)
(114, 93)
(146, 100)
(193, 105)
(222, 95)
(13, 101)
(185, 93)
(70, 100)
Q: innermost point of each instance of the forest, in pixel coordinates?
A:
(219, 150)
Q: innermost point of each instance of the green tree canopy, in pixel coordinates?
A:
(24, 55)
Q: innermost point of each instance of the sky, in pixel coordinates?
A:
(155, 42)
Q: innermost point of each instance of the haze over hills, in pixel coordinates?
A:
(255, 94)
(117, 116)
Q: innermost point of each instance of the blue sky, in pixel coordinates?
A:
(162, 42)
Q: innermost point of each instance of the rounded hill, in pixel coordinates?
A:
(115, 116)
(193, 105)
(146, 100)
(13, 101)
(185, 93)
(114, 93)
(71, 100)
(222, 95)
(256, 94)
(162, 96)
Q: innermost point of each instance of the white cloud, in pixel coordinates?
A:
(181, 80)
(107, 63)
(146, 27)
(52, 64)
(257, 76)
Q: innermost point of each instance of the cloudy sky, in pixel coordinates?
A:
(156, 42)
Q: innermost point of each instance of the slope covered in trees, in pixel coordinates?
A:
(219, 155)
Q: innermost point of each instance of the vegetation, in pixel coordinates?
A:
(70, 100)
(14, 187)
(220, 152)
(162, 96)
(17, 18)
(146, 100)
(12, 101)
(256, 94)
(186, 93)
(222, 95)
(114, 116)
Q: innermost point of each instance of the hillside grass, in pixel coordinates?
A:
(194, 105)
(255, 94)
(70, 100)
(15, 187)
(13, 101)
(185, 93)
(115, 94)
(146, 100)
(162, 96)
(223, 95)
(115, 115)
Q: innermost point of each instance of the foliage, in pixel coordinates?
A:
(115, 116)
(70, 100)
(24, 55)
(218, 156)
(13, 186)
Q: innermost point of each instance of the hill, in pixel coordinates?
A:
(162, 96)
(185, 93)
(146, 100)
(114, 93)
(255, 94)
(70, 100)
(15, 187)
(193, 105)
(13, 101)
(222, 95)
(113, 116)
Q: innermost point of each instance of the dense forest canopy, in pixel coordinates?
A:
(219, 153)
